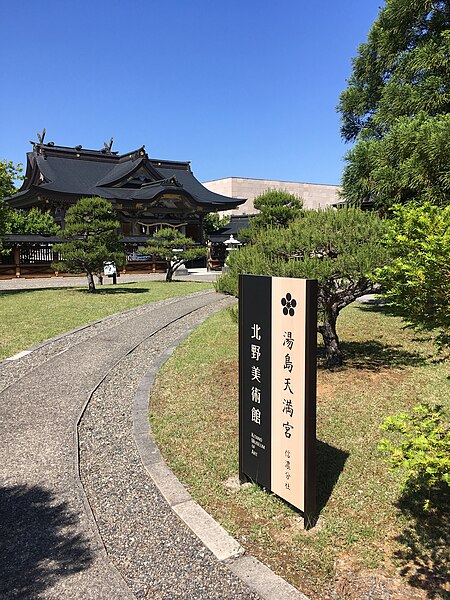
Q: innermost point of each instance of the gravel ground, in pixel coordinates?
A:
(154, 551)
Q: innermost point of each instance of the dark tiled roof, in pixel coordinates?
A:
(58, 170)
(233, 228)
(30, 238)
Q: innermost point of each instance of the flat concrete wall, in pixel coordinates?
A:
(314, 195)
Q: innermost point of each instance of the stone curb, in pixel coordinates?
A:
(250, 570)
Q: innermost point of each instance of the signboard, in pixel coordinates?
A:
(109, 269)
(277, 386)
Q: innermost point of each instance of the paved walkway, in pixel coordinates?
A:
(24, 283)
(115, 536)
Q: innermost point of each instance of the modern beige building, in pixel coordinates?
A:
(314, 195)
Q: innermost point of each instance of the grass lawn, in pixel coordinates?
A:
(29, 317)
(364, 543)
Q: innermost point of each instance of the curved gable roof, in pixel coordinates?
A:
(79, 173)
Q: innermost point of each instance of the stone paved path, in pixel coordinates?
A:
(30, 283)
(49, 545)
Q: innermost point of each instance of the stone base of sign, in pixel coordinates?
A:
(234, 484)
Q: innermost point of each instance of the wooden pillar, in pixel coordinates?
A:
(209, 257)
(17, 259)
(55, 260)
(201, 233)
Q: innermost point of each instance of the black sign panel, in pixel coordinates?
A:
(255, 378)
(277, 387)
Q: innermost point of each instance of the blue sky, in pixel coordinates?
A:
(240, 88)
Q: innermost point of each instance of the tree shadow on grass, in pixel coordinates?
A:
(109, 291)
(38, 542)
(99, 290)
(372, 355)
(23, 291)
(424, 555)
(330, 464)
(375, 306)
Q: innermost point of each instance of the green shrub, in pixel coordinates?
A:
(422, 452)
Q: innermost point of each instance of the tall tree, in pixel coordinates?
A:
(92, 239)
(214, 221)
(340, 249)
(396, 107)
(8, 174)
(175, 248)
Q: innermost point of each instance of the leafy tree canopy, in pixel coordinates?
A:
(91, 231)
(175, 248)
(340, 249)
(214, 221)
(32, 222)
(397, 98)
(417, 280)
(8, 173)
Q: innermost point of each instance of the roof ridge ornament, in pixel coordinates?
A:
(139, 153)
(41, 136)
(40, 146)
(107, 147)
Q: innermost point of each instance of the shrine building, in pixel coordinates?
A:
(147, 193)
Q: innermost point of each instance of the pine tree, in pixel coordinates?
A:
(340, 249)
(175, 248)
(277, 208)
(92, 239)
(396, 108)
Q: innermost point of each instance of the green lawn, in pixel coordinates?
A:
(362, 538)
(29, 317)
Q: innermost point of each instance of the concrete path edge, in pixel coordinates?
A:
(257, 576)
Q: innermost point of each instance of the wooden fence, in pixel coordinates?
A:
(34, 259)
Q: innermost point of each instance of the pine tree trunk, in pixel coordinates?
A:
(172, 266)
(333, 351)
(91, 283)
